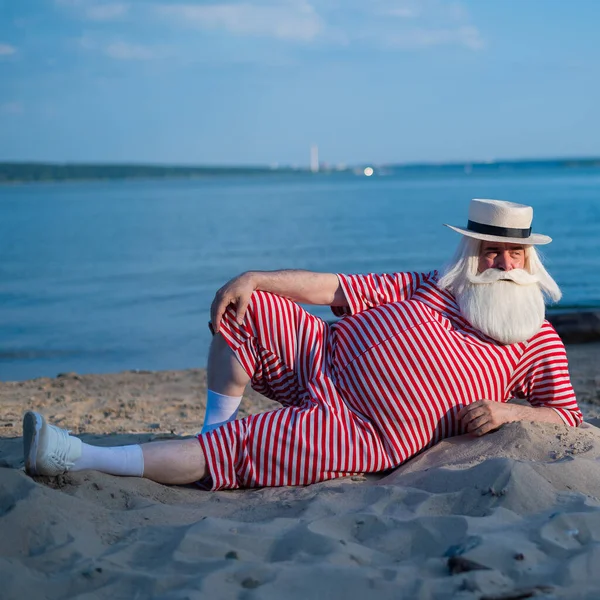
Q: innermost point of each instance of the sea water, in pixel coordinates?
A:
(116, 275)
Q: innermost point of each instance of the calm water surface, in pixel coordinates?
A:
(107, 276)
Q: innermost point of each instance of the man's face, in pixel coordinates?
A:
(502, 256)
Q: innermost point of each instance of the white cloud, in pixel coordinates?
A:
(106, 12)
(402, 9)
(7, 50)
(11, 108)
(127, 51)
(389, 24)
(467, 36)
(392, 25)
(294, 20)
(419, 24)
(429, 10)
(122, 50)
(95, 10)
(86, 42)
(404, 12)
(457, 11)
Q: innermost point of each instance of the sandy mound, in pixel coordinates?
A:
(519, 503)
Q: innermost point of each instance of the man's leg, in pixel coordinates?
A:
(225, 373)
(49, 450)
(226, 379)
(282, 349)
(174, 461)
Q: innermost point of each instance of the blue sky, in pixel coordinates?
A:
(259, 81)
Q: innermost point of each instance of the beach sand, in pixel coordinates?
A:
(515, 514)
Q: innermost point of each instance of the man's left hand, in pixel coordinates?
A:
(484, 416)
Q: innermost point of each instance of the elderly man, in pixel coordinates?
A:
(417, 357)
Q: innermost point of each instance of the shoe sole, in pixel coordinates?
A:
(32, 428)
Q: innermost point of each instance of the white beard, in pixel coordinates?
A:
(507, 306)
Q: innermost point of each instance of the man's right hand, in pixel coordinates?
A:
(236, 292)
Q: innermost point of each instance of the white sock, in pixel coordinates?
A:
(117, 460)
(220, 409)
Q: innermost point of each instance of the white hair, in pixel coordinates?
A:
(456, 275)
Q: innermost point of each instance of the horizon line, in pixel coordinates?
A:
(295, 166)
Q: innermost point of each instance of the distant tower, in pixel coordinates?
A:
(314, 158)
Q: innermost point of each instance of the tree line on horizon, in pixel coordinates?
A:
(13, 172)
(22, 172)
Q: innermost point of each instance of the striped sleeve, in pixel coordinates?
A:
(368, 291)
(542, 376)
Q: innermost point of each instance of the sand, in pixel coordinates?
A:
(515, 514)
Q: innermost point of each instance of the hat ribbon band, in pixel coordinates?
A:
(500, 231)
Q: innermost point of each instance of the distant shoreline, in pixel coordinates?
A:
(31, 172)
(576, 326)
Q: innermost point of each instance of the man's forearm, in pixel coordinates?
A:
(305, 287)
(483, 416)
(541, 414)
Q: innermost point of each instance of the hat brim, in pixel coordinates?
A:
(535, 239)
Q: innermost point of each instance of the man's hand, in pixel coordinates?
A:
(484, 416)
(236, 292)
(300, 286)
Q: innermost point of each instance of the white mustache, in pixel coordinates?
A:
(518, 276)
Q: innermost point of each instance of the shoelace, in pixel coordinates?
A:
(61, 447)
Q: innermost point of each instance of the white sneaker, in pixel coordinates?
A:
(48, 450)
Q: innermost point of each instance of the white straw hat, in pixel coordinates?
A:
(501, 221)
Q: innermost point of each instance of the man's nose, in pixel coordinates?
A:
(503, 262)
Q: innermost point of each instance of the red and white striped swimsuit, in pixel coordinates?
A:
(373, 389)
